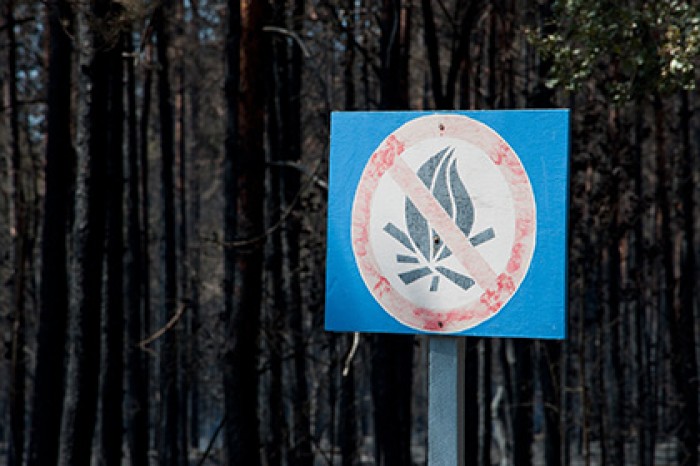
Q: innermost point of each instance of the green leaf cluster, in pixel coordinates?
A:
(630, 48)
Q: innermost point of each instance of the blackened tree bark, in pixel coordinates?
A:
(645, 390)
(682, 322)
(471, 402)
(145, 262)
(522, 403)
(278, 103)
(244, 165)
(19, 232)
(197, 156)
(348, 408)
(549, 358)
(349, 64)
(392, 355)
(444, 93)
(614, 393)
(550, 352)
(433, 50)
(290, 183)
(80, 406)
(394, 48)
(112, 389)
(170, 447)
(485, 395)
(53, 311)
(236, 444)
(685, 454)
(137, 412)
(275, 445)
(182, 157)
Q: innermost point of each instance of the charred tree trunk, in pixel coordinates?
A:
(550, 367)
(181, 160)
(277, 99)
(53, 311)
(170, 447)
(645, 398)
(444, 93)
(550, 352)
(522, 407)
(348, 409)
(112, 391)
(485, 396)
(392, 358)
(276, 444)
(668, 296)
(145, 262)
(19, 232)
(471, 403)
(301, 451)
(80, 406)
(244, 166)
(195, 259)
(682, 321)
(613, 394)
(137, 412)
(433, 52)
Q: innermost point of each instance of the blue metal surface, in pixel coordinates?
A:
(541, 140)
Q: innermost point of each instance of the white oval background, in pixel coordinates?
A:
(493, 208)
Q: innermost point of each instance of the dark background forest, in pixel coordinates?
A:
(162, 209)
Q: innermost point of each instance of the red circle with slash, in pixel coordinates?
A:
(493, 286)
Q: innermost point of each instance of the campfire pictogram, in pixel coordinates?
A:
(425, 248)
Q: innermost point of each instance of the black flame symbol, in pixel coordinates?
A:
(439, 174)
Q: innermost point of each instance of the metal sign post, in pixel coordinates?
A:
(445, 401)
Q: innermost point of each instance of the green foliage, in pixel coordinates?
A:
(630, 48)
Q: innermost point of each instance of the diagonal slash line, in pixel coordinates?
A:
(430, 208)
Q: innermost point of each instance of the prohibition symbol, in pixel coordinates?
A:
(443, 223)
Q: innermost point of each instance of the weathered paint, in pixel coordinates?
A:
(527, 149)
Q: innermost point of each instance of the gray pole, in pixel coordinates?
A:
(445, 401)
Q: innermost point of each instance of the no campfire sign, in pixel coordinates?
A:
(448, 223)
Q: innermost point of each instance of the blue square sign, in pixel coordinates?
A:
(448, 223)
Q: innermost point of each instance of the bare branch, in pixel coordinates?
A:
(351, 353)
(160, 332)
(292, 34)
